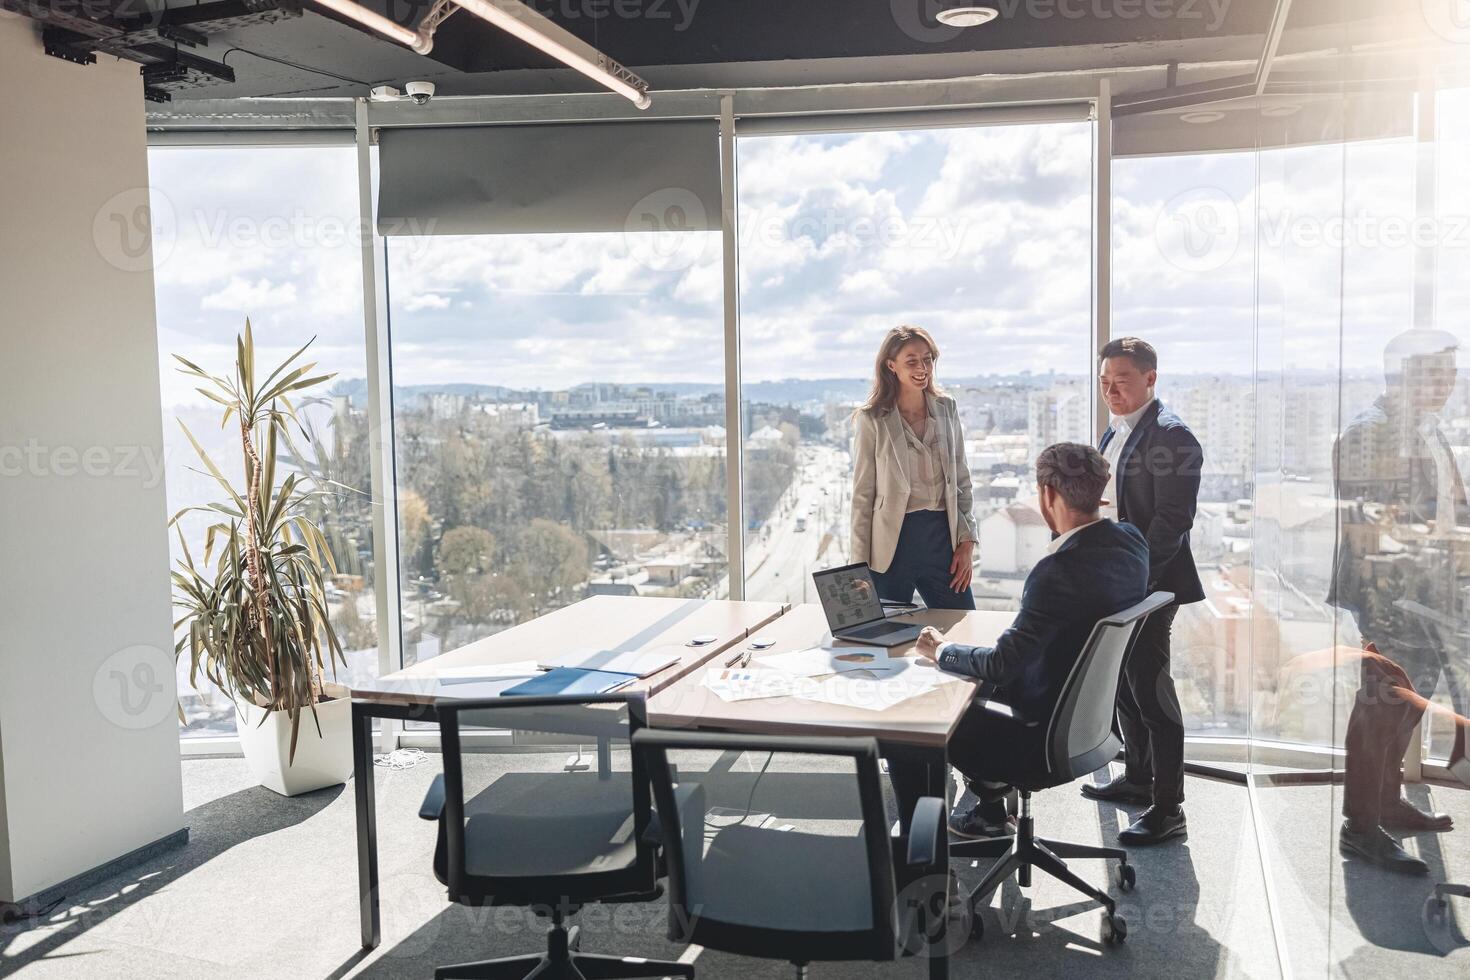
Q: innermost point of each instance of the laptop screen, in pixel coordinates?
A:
(848, 596)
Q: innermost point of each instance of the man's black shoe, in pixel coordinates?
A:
(1375, 846)
(1403, 815)
(1156, 825)
(981, 821)
(1120, 790)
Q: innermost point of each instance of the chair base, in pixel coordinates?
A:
(563, 961)
(1020, 854)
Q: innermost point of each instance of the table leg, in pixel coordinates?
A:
(367, 824)
(604, 757)
(938, 785)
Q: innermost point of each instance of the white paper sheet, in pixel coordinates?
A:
(751, 684)
(819, 661)
(854, 690)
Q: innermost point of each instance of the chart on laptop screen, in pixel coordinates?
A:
(847, 597)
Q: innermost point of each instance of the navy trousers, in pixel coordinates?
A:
(921, 561)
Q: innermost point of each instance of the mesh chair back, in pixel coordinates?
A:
(556, 809)
(775, 847)
(1080, 731)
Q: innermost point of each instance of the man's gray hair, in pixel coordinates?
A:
(1079, 473)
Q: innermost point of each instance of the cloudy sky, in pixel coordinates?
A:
(980, 235)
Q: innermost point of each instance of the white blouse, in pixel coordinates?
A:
(925, 468)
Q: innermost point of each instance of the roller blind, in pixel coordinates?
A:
(488, 180)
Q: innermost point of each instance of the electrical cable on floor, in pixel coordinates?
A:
(400, 759)
(749, 800)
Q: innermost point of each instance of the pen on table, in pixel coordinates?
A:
(741, 659)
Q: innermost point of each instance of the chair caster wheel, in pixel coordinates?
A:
(1440, 927)
(1126, 876)
(1114, 930)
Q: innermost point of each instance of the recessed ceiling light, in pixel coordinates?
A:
(1284, 109)
(1200, 118)
(968, 16)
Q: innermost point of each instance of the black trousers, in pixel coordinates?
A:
(1149, 717)
(921, 561)
(1385, 713)
(988, 750)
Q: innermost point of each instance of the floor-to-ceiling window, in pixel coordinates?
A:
(271, 234)
(980, 235)
(559, 418)
(1184, 280)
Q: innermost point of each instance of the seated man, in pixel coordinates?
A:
(1094, 568)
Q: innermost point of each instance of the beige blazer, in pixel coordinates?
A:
(880, 489)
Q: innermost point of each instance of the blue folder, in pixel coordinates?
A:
(571, 680)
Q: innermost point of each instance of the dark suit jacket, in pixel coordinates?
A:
(1388, 484)
(1100, 570)
(1158, 491)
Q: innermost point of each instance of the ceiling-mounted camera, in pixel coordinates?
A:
(420, 92)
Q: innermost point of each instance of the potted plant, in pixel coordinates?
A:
(255, 606)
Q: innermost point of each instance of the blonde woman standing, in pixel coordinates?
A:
(912, 519)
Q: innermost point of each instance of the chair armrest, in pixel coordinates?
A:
(653, 834)
(927, 832)
(433, 806)
(1003, 710)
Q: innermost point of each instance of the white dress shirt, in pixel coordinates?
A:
(1445, 471)
(1122, 427)
(1060, 540)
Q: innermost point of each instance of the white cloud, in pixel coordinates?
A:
(426, 301)
(249, 297)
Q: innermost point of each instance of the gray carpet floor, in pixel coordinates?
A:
(266, 887)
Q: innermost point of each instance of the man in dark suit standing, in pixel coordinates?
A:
(1155, 461)
(1398, 569)
(1094, 569)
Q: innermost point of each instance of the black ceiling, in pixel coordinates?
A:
(688, 44)
(716, 43)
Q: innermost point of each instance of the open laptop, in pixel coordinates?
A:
(854, 612)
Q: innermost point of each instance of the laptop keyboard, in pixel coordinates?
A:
(876, 631)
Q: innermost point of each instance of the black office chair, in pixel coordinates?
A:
(551, 839)
(810, 878)
(1076, 740)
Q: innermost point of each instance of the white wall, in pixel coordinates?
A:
(89, 757)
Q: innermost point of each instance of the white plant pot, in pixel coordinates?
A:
(321, 760)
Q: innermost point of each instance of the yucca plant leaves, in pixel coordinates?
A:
(255, 621)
